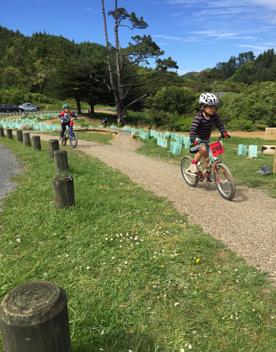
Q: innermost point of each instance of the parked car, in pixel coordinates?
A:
(9, 108)
(28, 107)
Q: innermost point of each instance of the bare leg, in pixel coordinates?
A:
(202, 154)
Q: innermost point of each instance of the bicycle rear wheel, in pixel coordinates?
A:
(73, 140)
(190, 179)
(224, 182)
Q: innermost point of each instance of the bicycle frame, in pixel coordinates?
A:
(213, 162)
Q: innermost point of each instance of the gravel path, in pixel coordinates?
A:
(9, 167)
(247, 225)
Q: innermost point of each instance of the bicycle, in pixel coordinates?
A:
(71, 135)
(220, 173)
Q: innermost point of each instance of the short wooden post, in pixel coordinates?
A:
(36, 142)
(64, 191)
(2, 134)
(274, 163)
(61, 160)
(53, 145)
(19, 135)
(34, 317)
(9, 133)
(26, 138)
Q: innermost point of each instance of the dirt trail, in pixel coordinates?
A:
(247, 225)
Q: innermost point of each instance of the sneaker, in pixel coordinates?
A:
(192, 169)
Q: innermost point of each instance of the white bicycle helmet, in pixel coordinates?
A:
(208, 99)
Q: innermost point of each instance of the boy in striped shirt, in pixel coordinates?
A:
(201, 129)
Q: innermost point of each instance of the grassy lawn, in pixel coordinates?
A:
(243, 169)
(138, 277)
(104, 138)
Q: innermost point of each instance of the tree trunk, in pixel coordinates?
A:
(36, 142)
(92, 108)
(112, 85)
(53, 145)
(78, 106)
(120, 113)
(34, 317)
(64, 191)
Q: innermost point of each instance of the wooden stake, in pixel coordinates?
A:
(19, 135)
(36, 142)
(9, 133)
(61, 160)
(53, 145)
(34, 318)
(26, 138)
(64, 191)
(2, 134)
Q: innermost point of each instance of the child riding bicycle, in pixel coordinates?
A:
(200, 131)
(66, 117)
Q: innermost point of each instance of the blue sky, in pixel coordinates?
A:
(196, 33)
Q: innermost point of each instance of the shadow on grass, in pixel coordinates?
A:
(121, 342)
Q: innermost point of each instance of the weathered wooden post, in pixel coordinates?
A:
(61, 160)
(26, 138)
(9, 133)
(34, 318)
(19, 135)
(64, 191)
(36, 142)
(2, 134)
(53, 145)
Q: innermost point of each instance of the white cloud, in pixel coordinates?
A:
(260, 47)
(169, 37)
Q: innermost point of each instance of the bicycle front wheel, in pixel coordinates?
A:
(190, 179)
(73, 140)
(224, 181)
(64, 139)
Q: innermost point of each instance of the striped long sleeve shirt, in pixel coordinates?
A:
(202, 128)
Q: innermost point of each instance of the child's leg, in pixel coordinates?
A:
(63, 127)
(203, 153)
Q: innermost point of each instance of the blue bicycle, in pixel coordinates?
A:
(71, 135)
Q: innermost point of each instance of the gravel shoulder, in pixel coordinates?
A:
(246, 225)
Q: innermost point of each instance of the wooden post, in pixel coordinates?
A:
(9, 133)
(34, 318)
(53, 145)
(274, 163)
(61, 160)
(2, 134)
(64, 191)
(19, 135)
(26, 138)
(36, 142)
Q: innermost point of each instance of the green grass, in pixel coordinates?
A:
(104, 138)
(242, 168)
(127, 261)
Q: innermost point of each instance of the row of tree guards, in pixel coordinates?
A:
(34, 316)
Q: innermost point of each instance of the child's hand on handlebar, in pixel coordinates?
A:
(225, 135)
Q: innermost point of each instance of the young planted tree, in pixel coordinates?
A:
(124, 63)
